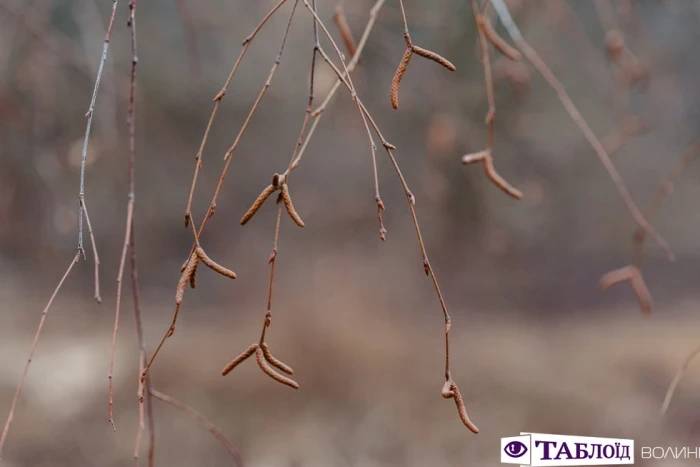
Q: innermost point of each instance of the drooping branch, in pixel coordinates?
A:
(581, 123)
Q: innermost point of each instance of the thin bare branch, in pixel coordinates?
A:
(572, 110)
(98, 297)
(20, 385)
(677, 379)
(206, 424)
(89, 114)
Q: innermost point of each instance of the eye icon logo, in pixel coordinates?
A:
(515, 449)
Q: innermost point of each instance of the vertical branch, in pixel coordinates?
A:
(98, 297)
(144, 400)
(89, 114)
(20, 385)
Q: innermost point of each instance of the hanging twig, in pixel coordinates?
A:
(20, 385)
(575, 115)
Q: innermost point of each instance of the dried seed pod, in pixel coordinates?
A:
(238, 360)
(434, 57)
(499, 181)
(185, 278)
(287, 199)
(498, 42)
(257, 203)
(273, 361)
(193, 277)
(213, 265)
(461, 408)
(272, 373)
(398, 76)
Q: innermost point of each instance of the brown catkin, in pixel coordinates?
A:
(273, 361)
(185, 278)
(257, 203)
(447, 392)
(498, 42)
(462, 409)
(193, 277)
(499, 181)
(398, 76)
(238, 360)
(434, 57)
(287, 199)
(272, 373)
(213, 265)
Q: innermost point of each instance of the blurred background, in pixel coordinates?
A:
(537, 346)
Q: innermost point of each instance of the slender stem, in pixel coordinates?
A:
(20, 385)
(209, 426)
(98, 297)
(89, 115)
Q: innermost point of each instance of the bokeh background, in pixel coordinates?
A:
(537, 346)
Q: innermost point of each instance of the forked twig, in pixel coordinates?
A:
(486, 157)
(634, 276)
(664, 190)
(403, 65)
(263, 356)
(89, 115)
(570, 107)
(98, 297)
(279, 182)
(487, 160)
(20, 385)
